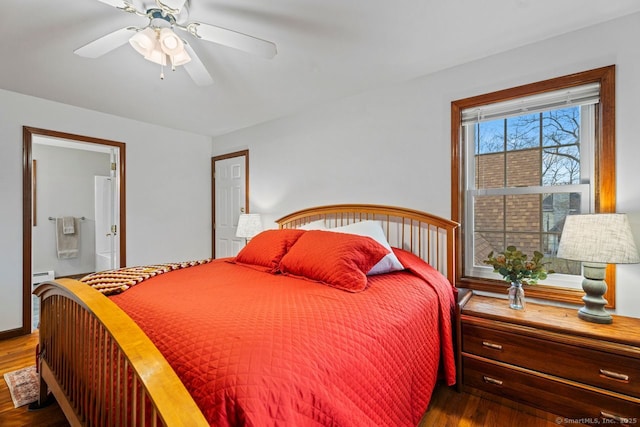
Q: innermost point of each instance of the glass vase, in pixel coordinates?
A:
(516, 296)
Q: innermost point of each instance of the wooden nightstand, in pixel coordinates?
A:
(548, 358)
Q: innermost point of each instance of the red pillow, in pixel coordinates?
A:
(266, 249)
(337, 259)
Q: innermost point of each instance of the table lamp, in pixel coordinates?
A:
(597, 240)
(248, 225)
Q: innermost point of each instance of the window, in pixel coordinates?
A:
(525, 158)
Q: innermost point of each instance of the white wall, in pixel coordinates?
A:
(392, 145)
(168, 188)
(65, 187)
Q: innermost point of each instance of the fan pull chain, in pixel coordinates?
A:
(161, 72)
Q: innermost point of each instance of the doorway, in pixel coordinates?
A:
(38, 195)
(230, 198)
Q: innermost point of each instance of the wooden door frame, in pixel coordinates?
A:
(27, 212)
(214, 159)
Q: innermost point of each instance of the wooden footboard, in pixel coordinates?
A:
(101, 367)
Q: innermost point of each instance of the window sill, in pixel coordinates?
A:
(544, 292)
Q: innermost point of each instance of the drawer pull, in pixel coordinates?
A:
(491, 345)
(614, 375)
(617, 418)
(490, 380)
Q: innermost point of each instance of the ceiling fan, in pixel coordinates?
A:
(158, 43)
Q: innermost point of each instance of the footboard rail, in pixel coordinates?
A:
(101, 367)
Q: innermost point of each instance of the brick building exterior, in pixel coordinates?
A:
(516, 220)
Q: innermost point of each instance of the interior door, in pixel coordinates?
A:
(105, 232)
(107, 216)
(114, 209)
(230, 199)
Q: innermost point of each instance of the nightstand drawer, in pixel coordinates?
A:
(598, 368)
(549, 394)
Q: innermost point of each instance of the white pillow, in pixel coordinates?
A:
(314, 225)
(374, 230)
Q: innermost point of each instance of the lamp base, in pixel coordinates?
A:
(594, 287)
(600, 316)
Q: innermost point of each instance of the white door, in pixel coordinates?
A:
(105, 238)
(230, 196)
(115, 208)
(107, 216)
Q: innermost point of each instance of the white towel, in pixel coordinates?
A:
(67, 245)
(68, 226)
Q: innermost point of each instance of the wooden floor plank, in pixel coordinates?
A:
(17, 353)
(448, 408)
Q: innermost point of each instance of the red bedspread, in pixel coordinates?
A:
(258, 349)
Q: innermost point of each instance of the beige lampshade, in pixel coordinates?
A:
(601, 238)
(248, 225)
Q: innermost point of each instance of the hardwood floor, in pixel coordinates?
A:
(448, 408)
(16, 353)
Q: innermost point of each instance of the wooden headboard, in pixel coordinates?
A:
(428, 236)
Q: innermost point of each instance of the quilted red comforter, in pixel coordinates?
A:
(261, 349)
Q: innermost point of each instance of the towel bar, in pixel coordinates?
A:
(53, 219)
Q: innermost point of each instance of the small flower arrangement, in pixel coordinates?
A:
(512, 264)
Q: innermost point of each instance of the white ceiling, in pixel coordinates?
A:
(326, 50)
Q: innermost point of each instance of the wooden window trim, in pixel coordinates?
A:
(604, 175)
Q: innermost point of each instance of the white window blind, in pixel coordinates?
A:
(579, 95)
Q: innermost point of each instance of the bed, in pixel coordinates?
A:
(313, 323)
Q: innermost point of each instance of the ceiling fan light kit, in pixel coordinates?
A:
(143, 41)
(158, 43)
(170, 42)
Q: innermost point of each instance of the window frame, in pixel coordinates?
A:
(584, 187)
(604, 181)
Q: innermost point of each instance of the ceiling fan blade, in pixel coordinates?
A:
(173, 6)
(196, 69)
(115, 3)
(126, 5)
(233, 39)
(106, 43)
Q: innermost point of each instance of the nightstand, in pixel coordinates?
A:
(548, 358)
